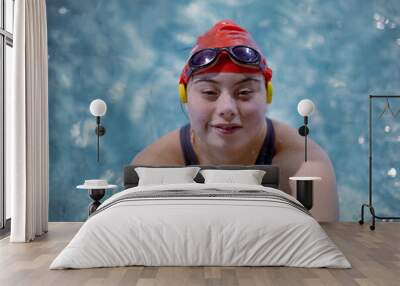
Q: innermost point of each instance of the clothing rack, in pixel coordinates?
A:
(369, 205)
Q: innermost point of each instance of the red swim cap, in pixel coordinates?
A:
(226, 33)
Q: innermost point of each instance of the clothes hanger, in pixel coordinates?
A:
(387, 107)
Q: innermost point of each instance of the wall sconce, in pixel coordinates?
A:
(305, 108)
(98, 109)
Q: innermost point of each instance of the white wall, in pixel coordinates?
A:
(8, 113)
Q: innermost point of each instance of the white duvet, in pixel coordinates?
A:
(200, 231)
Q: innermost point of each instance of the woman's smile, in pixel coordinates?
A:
(226, 128)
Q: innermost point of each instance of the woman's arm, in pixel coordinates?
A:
(164, 151)
(290, 159)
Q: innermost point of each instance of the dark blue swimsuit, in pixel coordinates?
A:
(265, 156)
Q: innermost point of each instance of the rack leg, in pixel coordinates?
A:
(372, 210)
(361, 221)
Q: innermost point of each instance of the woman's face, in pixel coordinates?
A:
(227, 110)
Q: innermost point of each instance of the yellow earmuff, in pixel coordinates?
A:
(269, 92)
(183, 95)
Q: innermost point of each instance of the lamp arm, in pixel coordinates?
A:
(305, 148)
(98, 147)
(98, 137)
(100, 131)
(305, 138)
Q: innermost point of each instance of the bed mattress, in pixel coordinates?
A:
(201, 225)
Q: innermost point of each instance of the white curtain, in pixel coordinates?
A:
(27, 141)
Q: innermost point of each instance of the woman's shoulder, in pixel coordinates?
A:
(164, 151)
(287, 137)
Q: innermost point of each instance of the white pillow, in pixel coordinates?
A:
(248, 177)
(162, 176)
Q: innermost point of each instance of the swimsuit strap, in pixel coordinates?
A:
(265, 155)
(187, 148)
(267, 151)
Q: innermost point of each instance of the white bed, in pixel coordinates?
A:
(252, 225)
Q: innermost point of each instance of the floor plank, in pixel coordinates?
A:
(374, 255)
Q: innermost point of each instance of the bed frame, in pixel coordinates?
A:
(270, 179)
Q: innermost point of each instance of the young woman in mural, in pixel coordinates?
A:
(226, 86)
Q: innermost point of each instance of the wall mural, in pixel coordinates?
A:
(131, 54)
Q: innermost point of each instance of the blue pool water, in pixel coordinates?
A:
(130, 54)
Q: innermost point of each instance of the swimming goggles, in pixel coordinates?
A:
(238, 54)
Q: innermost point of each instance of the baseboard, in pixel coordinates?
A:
(5, 231)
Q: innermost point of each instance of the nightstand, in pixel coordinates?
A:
(304, 190)
(96, 190)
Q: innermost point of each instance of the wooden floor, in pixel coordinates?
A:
(374, 255)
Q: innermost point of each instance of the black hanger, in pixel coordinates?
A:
(387, 107)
